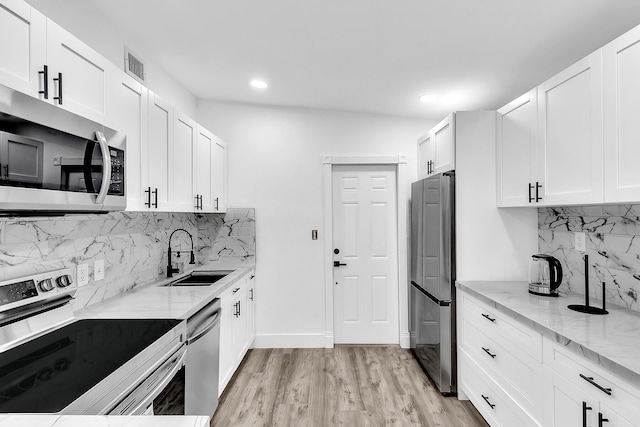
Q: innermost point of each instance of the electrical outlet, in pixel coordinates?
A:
(83, 274)
(580, 241)
(98, 270)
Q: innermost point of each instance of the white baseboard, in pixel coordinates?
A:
(405, 341)
(290, 341)
(328, 340)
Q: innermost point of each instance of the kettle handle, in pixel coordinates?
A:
(557, 267)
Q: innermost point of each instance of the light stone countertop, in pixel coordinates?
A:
(155, 301)
(101, 421)
(611, 341)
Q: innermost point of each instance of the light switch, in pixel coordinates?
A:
(98, 270)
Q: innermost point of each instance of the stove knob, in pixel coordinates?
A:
(46, 285)
(64, 281)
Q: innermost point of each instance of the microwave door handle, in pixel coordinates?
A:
(106, 168)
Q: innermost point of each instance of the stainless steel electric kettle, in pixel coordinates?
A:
(545, 275)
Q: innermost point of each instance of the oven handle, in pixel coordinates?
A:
(143, 404)
(203, 331)
(106, 168)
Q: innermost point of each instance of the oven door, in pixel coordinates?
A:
(161, 393)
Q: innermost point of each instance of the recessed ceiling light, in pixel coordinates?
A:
(428, 98)
(259, 84)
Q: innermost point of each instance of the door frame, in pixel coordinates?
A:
(402, 204)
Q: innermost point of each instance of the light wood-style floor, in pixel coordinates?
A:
(346, 385)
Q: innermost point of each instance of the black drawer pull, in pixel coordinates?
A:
(235, 290)
(486, 399)
(596, 385)
(45, 77)
(530, 188)
(585, 408)
(486, 350)
(602, 419)
(486, 316)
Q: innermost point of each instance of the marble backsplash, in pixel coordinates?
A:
(133, 245)
(613, 246)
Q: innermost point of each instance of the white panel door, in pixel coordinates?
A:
(81, 73)
(155, 152)
(182, 189)
(23, 41)
(365, 236)
(621, 60)
(202, 165)
(570, 144)
(517, 151)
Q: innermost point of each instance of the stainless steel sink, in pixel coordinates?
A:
(201, 278)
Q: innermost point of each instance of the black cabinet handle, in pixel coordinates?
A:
(59, 97)
(538, 187)
(155, 203)
(338, 264)
(217, 206)
(239, 308)
(486, 350)
(596, 385)
(601, 419)
(45, 85)
(585, 408)
(235, 290)
(197, 206)
(530, 188)
(251, 294)
(486, 316)
(486, 399)
(148, 193)
(237, 313)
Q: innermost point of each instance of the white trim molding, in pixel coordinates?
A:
(403, 234)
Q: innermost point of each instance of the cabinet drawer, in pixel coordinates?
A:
(505, 331)
(498, 408)
(516, 372)
(588, 376)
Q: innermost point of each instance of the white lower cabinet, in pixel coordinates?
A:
(237, 329)
(516, 377)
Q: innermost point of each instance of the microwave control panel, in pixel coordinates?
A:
(117, 172)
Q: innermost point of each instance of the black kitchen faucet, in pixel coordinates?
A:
(170, 269)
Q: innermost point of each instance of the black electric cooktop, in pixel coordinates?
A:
(48, 373)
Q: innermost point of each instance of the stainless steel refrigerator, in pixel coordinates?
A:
(432, 289)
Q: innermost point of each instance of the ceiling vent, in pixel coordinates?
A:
(133, 65)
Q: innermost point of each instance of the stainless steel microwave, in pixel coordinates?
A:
(54, 162)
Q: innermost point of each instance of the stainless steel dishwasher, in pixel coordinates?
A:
(203, 354)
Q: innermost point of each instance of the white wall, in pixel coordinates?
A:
(492, 243)
(85, 22)
(274, 164)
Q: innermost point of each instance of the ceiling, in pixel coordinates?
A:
(374, 56)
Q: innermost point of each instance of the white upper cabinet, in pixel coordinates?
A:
(128, 113)
(80, 74)
(219, 175)
(621, 118)
(570, 134)
(181, 191)
(444, 158)
(436, 149)
(23, 32)
(156, 157)
(517, 151)
(203, 170)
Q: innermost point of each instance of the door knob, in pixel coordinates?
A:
(338, 264)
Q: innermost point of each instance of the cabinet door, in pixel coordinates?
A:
(444, 158)
(23, 41)
(572, 406)
(239, 328)
(182, 192)
(620, 417)
(621, 60)
(155, 152)
(127, 113)
(227, 360)
(202, 164)
(251, 310)
(517, 151)
(84, 74)
(219, 175)
(425, 155)
(570, 136)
